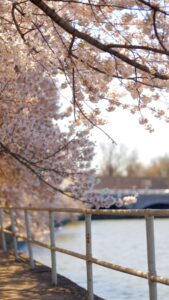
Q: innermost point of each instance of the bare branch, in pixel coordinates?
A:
(156, 32)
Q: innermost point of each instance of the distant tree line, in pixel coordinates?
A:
(118, 161)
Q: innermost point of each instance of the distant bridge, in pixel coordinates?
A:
(152, 199)
(157, 199)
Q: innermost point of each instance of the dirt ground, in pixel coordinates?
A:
(19, 282)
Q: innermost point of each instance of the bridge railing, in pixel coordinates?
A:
(148, 214)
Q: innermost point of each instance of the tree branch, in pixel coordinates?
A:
(92, 41)
(25, 163)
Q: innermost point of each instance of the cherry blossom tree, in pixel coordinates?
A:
(100, 53)
(34, 151)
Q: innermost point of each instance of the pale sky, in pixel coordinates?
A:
(124, 128)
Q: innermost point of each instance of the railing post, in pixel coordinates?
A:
(4, 246)
(14, 232)
(89, 256)
(29, 237)
(151, 256)
(52, 244)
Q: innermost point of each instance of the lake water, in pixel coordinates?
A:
(121, 242)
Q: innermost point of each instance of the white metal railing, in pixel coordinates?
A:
(132, 191)
(148, 214)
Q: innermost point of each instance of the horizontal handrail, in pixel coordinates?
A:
(134, 191)
(113, 212)
(131, 271)
(147, 213)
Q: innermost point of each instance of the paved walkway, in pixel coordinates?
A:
(18, 282)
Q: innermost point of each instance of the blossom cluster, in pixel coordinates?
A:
(95, 47)
(105, 198)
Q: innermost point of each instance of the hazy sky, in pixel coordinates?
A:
(124, 128)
